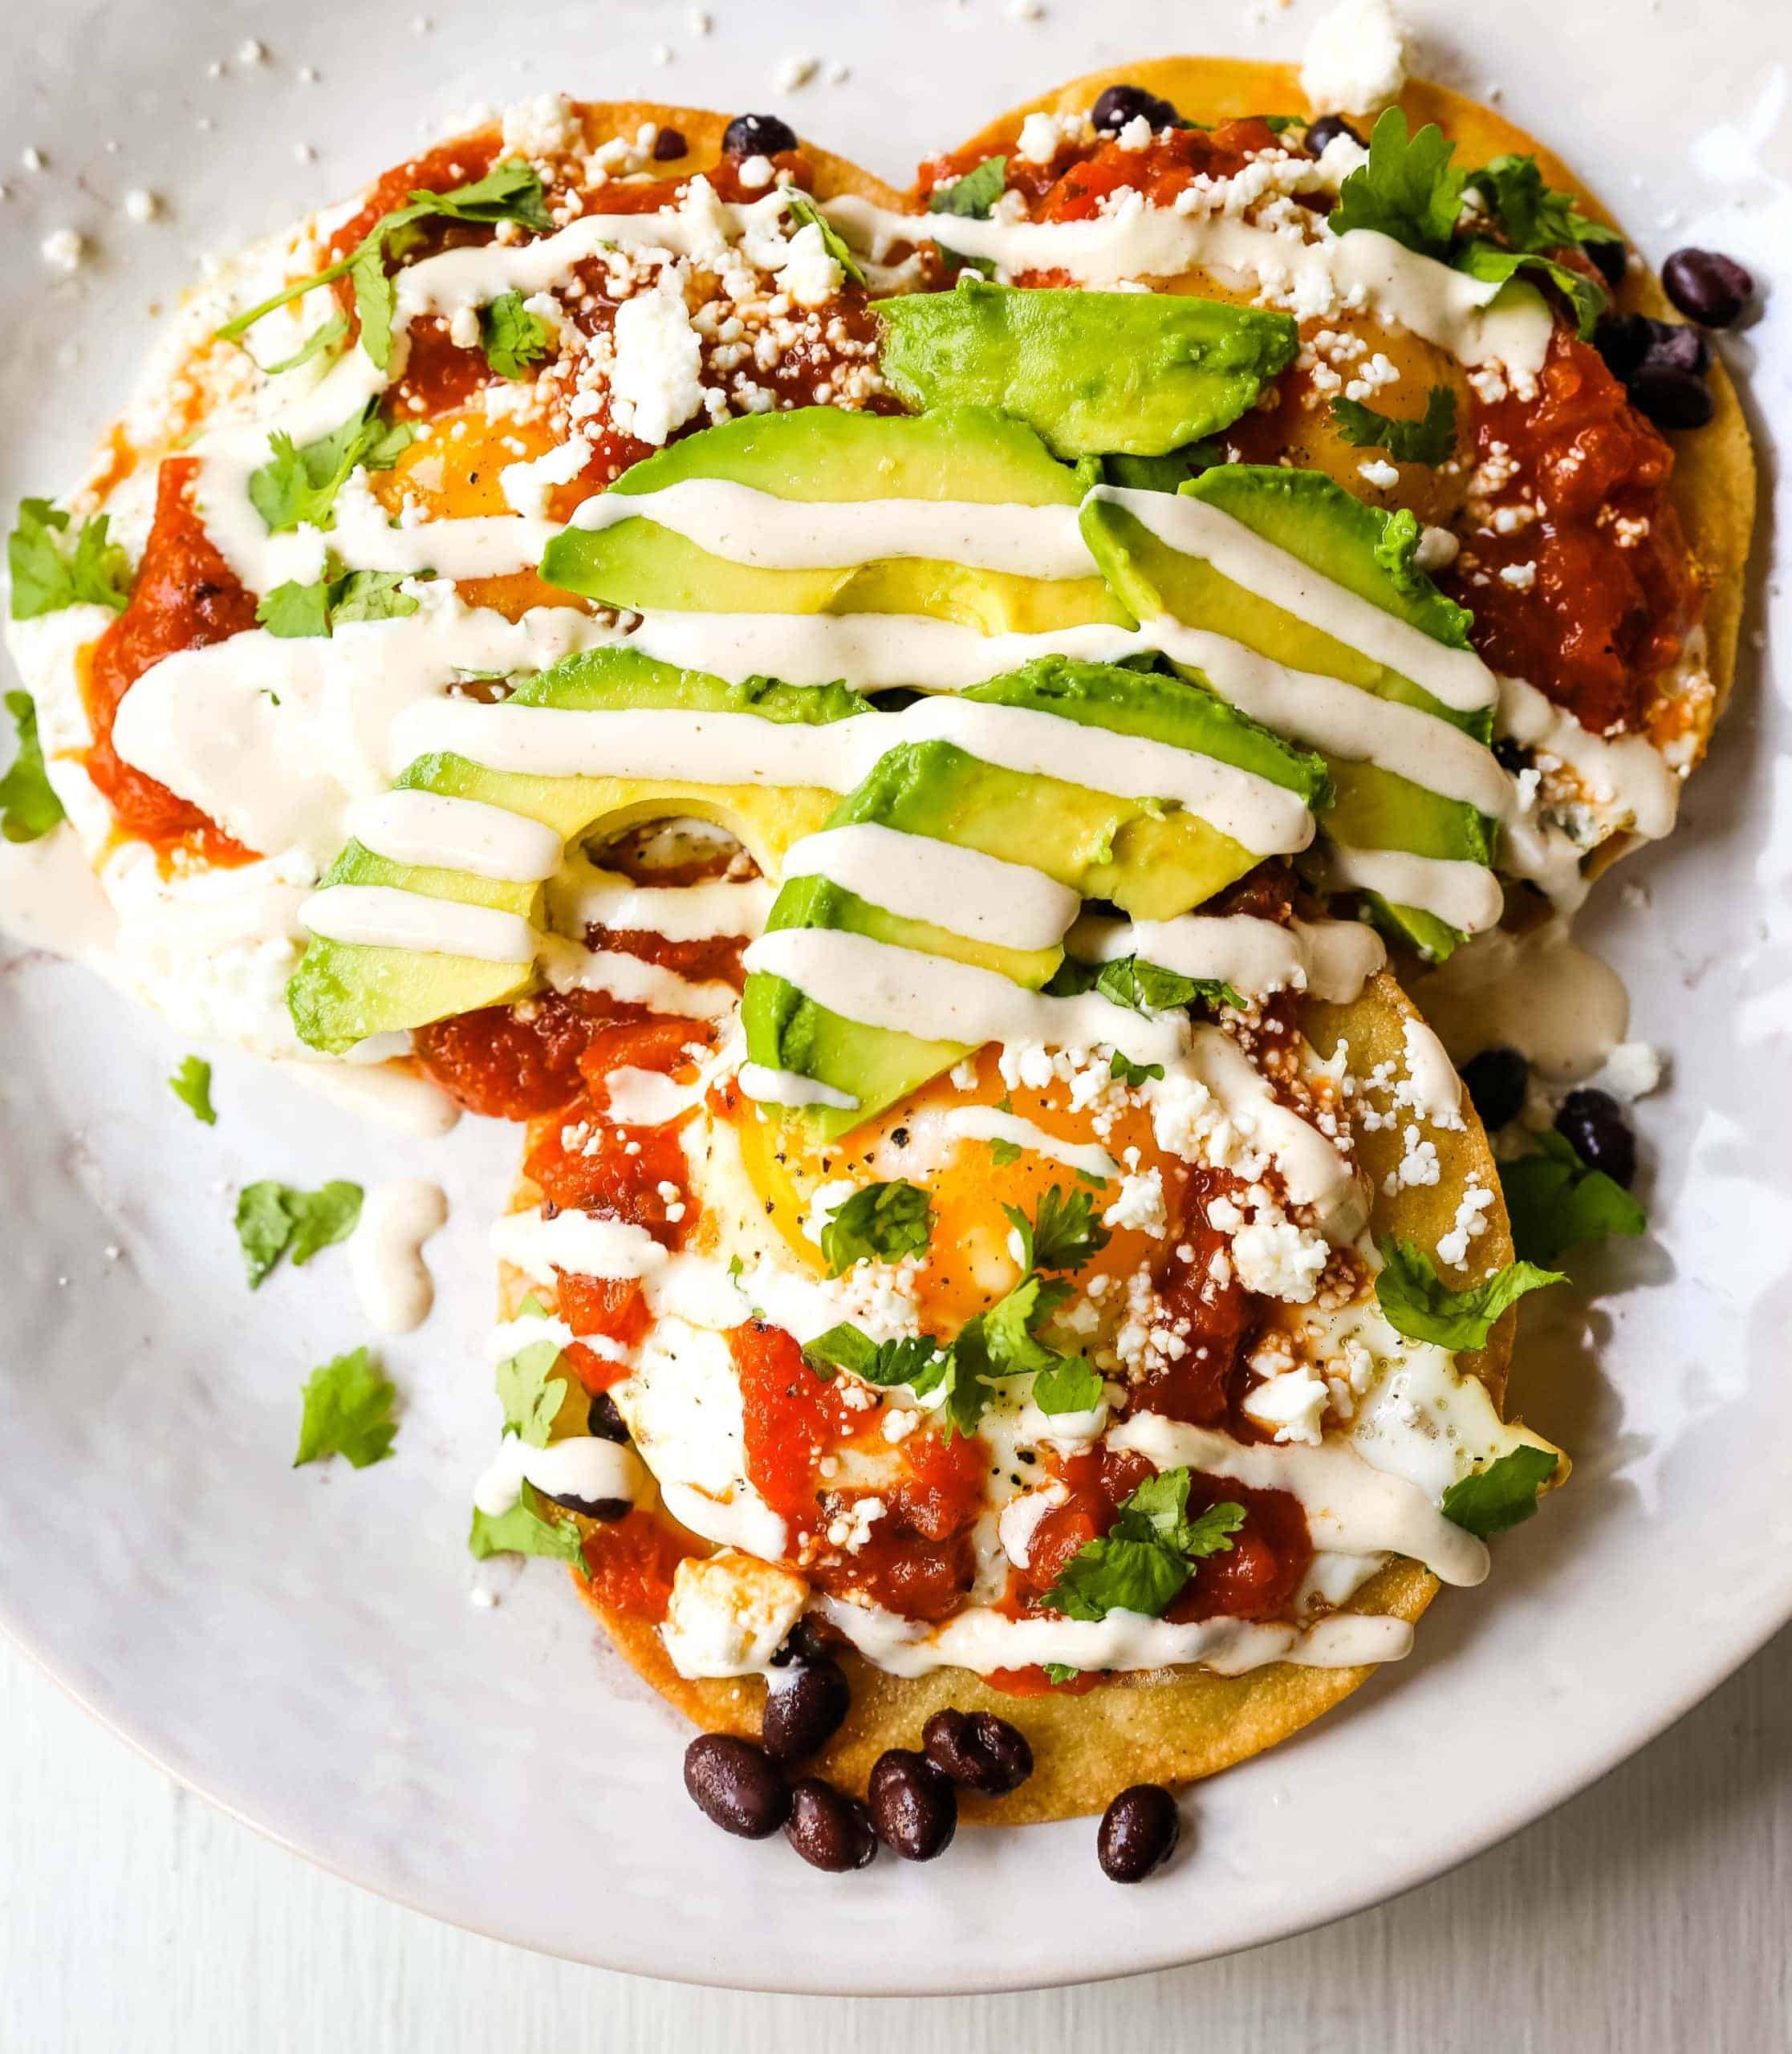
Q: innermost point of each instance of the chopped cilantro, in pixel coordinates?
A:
(511, 191)
(512, 337)
(956, 264)
(1140, 987)
(1063, 1233)
(299, 483)
(1530, 214)
(530, 1526)
(1427, 441)
(1409, 188)
(1061, 1672)
(1133, 1074)
(807, 214)
(1148, 1555)
(327, 337)
(292, 610)
(1557, 1203)
(1503, 1494)
(347, 1412)
(971, 196)
(530, 1392)
(1008, 1340)
(45, 578)
(886, 1221)
(1487, 260)
(29, 807)
(274, 1219)
(191, 1085)
(1069, 1385)
(921, 1364)
(1002, 1153)
(1422, 1308)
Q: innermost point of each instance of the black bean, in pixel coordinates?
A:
(829, 1829)
(604, 1509)
(1139, 1832)
(1707, 287)
(1629, 341)
(1327, 130)
(757, 135)
(668, 143)
(1120, 104)
(1496, 1079)
(912, 1806)
(1511, 755)
(978, 1749)
(605, 1421)
(734, 1786)
(1609, 259)
(805, 1711)
(1594, 1124)
(1670, 397)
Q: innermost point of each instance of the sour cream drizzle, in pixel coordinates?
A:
(1362, 268)
(959, 889)
(385, 1253)
(745, 525)
(1332, 959)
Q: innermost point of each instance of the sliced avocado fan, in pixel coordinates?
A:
(1152, 859)
(1096, 374)
(1370, 553)
(968, 454)
(343, 992)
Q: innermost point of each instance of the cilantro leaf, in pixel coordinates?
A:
(1557, 1203)
(274, 1219)
(294, 610)
(45, 578)
(1140, 987)
(347, 1412)
(530, 1392)
(1063, 1233)
(1148, 1555)
(328, 338)
(1409, 188)
(299, 483)
(1503, 1494)
(512, 337)
(1420, 1306)
(1061, 1672)
(1069, 1385)
(1002, 1153)
(1010, 1341)
(971, 196)
(922, 1364)
(1133, 1074)
(529, 1527)
(29, 807)
(1115, 1574)
(1530, 214)
(886, 1221)
(1487, 260)
(191, 1085)
(1427, 441)
(807, 214)
(509, 190)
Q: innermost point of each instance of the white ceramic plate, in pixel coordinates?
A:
(299, 1644)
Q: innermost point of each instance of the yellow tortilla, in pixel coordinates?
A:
(1169, 1726)
(1713, 484)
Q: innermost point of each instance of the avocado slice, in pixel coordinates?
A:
(341, 993)
(1095, 373)
(967, 454)
(1137, 852)
(1369, 552)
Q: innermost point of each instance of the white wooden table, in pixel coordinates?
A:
(1651, 1915)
